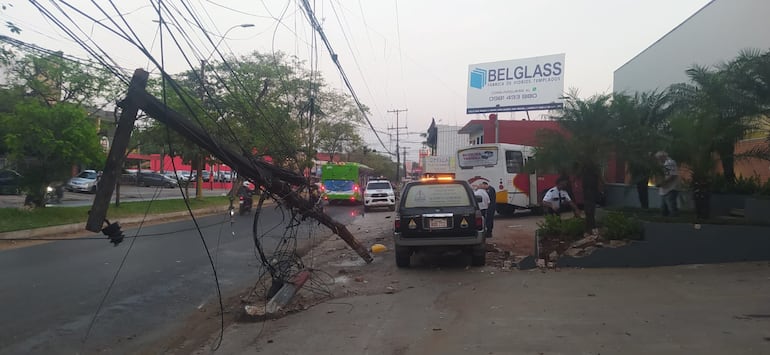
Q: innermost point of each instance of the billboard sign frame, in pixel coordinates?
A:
(535, 83)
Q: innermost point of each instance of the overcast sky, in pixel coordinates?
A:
(398, 54)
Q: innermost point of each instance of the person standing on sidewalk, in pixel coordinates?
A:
(490, 215)
(668, 187)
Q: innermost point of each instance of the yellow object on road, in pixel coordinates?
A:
(378, 248)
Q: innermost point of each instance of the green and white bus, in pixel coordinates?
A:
(344, 181)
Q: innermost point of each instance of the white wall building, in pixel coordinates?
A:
(448, 141)
(713, 35)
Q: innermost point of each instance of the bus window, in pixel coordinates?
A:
(469, 158)
(514, 161)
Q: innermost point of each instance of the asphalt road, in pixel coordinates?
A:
(51, 292)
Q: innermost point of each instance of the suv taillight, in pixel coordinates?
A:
(479, 221)
(397, 223)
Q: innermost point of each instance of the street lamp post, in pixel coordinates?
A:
(224, 35)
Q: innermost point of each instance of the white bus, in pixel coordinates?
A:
(502, 166)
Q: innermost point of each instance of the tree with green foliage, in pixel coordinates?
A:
(264, 105)
(693, 147)
(382, 164)
(642, 121)
(45, 130)
(53, 78)
(752, 68)
(716, 90)
(45, 141)
(587, 140)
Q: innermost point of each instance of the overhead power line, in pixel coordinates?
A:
(317, 26)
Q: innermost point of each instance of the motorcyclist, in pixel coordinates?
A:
(245, 192)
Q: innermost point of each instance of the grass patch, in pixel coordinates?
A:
(13, 219)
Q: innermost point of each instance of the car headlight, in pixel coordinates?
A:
(49, 189)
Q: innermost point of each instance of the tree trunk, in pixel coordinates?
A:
(701, 196)
(199, 178)
(727, 157)
(641, 191)
(590, 192)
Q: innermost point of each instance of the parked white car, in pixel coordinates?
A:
(379, 193)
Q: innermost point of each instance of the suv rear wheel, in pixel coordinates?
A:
(403, 256)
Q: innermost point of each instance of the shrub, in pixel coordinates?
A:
(741, 186)
(765, 191)
(563, 229)
(617, 225)
(573, 228)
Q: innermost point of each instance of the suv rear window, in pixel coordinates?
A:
(378, 186)
(436, 195)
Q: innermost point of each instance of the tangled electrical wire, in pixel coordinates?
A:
(284, 262)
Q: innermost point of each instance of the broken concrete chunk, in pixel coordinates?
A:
(589, 240)
(255, 311)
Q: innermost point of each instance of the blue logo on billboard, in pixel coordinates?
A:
(478, 78)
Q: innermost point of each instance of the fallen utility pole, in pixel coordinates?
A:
(276, 180)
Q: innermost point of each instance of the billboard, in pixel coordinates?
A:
(535, 83)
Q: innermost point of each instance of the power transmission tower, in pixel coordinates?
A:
(397, 129)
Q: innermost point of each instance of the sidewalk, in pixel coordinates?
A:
(442, 306)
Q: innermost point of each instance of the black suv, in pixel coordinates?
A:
(155, 179)
(439, 213)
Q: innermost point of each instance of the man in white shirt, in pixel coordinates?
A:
(668, 187)
(557, 198)
(484, 204)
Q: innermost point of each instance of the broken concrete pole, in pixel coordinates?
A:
(284, 296)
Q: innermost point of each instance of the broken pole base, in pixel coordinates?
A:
(284, 296)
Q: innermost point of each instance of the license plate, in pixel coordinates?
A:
(437, 223)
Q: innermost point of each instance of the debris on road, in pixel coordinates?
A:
(379, 248)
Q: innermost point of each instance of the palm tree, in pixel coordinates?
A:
(693, 147)
(642, 126)
(717, 90)
(752, 68)
(586, 143)
(752, 78)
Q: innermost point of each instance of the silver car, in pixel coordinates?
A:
(83, 182)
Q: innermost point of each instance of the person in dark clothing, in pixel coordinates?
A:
(490, 217)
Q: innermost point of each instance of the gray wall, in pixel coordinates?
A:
(716, 33)
(448, 141)
(621, 195)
